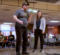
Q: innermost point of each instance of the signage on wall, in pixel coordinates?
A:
(6, 32)
(13, 29)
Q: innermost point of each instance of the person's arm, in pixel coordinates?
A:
(17, 20)
(44, 22)
(15, 17)
(2, 39)
(29, 19)
(34, 24)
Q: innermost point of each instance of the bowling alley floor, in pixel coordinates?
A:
(50, 50)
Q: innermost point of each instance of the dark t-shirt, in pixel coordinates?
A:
(11, 37)
(23, 16)
(38, 23)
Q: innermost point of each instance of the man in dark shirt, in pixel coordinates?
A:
(10, 40)
(22, 19)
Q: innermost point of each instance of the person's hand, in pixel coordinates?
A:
(12, 41)
(21, 22)
(9, 41)
(31, 15)
(33, 31)
(42, 32)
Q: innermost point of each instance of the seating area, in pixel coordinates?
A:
(4, 43)
(55, 41)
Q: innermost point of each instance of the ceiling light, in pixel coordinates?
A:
(7, 23)
(45, 15)
(30, 10)
(49, 27)
(55, 17)
(33, 11)
(52, 27)
(54, 21)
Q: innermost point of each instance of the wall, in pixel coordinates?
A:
(30, 26)
(53, 30)
(46, 29)
(58, 29)
(48, 6)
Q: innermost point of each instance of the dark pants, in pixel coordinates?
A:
(2, 44)
(38, 33)
(21, 32)
(10, 43)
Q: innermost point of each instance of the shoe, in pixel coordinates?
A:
(34, 51)
(24, 52)
(41, 50)
(18, 53)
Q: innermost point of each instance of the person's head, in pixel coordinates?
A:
(0, 32)
(39, 14)
(25, 6)
(10, 32)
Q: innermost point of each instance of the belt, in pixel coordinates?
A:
(22, 17)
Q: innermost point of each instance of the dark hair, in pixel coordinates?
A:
(37, 15)
(10, 31)
(0, 31)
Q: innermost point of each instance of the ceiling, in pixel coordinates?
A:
(7, 11)
(50, 1)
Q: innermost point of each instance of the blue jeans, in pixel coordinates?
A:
(9, 43)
